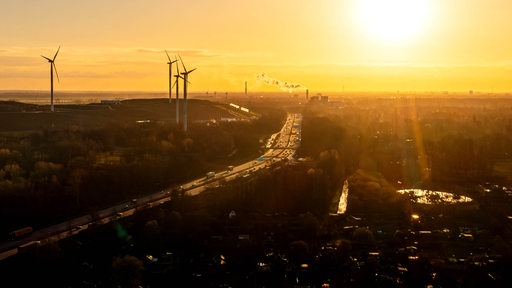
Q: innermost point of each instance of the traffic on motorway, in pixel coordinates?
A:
(280, 146)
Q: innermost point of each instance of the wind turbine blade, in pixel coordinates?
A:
(57, 74)
(56, 54)
(176, 60)
(178, 76)
(49, 60)
(168, 56)
(182, 64)
(188, 72)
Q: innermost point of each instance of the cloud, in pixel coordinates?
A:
(182, 52)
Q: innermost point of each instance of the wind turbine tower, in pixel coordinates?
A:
(185, 82)
(176, 82)
(52, 66)
(170, 74)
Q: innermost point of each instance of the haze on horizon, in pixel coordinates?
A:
(325, 45)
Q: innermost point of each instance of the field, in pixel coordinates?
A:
(16, 116)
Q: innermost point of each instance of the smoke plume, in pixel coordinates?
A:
(283, 85)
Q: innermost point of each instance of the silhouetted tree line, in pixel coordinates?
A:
(50, 174)
(408, 143)
(421, 142)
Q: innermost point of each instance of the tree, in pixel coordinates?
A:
(151, 236)
(299, 252)
(12, 178)
(75, 179)
(128, 271)
(363, 238)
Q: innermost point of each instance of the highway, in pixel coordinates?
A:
(281, 146)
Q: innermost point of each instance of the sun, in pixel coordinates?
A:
(393, 21)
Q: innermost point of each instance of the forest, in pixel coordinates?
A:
(52, 174)
(260, 230)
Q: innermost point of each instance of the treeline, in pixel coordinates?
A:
(426, 142)
(49, 175)
(380, 145)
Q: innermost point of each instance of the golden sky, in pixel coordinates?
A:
(324, 45)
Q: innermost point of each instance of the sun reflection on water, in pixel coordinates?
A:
(434, 197)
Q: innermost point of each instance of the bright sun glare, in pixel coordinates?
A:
(393, 21)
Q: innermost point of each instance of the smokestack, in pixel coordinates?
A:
(307, 94)
(245, 87)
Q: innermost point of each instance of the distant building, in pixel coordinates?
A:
(319, 98)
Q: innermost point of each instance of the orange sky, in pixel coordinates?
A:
(324, 45)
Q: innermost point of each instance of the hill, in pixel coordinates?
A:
(16, 116)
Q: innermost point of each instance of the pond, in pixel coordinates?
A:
(422, 196)
(342, 204)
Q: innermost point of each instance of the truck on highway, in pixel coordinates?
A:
(28, 247)
(19, 233)
(210, 175)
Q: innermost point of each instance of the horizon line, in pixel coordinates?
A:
(311, 93)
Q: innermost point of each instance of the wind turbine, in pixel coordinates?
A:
(170, 74)
(185, 82)
(52, 65)
(176, 82)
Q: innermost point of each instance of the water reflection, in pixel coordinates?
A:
(419, 196)
(342, 204)
(434, 197)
